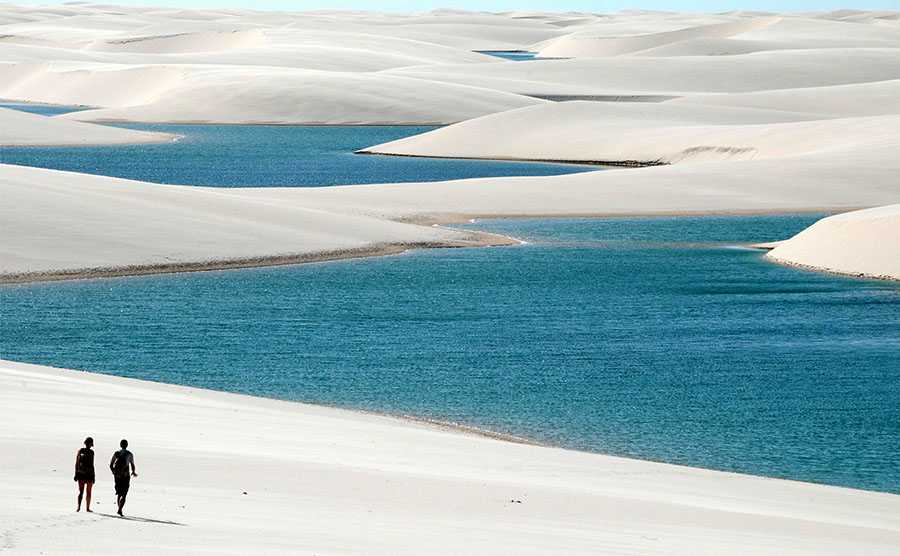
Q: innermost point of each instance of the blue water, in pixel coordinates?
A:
(654, 338)
(259, 155)
(42, 109)
(514, 55)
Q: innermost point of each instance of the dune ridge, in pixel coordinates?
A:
(578, 46)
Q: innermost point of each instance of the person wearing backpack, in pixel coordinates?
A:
(121, 463)
(84, 472)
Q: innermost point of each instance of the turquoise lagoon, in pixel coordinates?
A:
(656, 338)
(269, 155)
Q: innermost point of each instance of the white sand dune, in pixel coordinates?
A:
(733, 35)
(25, 129)
(251, 94)
(120, 27)
(167, 61)
(178, 43)
(88, 85)
(838, 180)
(864, 242)
(59, 223)
(62, 222)
(857, 99)
(808, 120)
(712, 46)
(758, 71)
(285, 96)
(291, 478)
(585, 46)
(659, 133)
(274, 67)
(281, 47)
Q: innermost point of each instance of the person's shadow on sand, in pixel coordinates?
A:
(142, 519)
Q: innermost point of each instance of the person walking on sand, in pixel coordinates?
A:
(121, 463)
(84, 472)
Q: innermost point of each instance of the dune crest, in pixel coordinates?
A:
(211, 41)
(586, 46)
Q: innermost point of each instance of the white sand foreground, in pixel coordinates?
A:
(227, 474)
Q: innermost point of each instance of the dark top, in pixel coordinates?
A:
(84, 465)
(121, 463)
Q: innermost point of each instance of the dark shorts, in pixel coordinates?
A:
(122, 485)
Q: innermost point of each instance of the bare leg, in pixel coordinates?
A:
(90, 487)
(121, 502)
(80, 494)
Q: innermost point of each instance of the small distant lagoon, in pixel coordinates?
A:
(266, 155)
(654, 338)
(514, 55)
(39, 108)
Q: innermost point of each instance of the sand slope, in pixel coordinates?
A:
(64, 222)
(798, 112)
(289, 478)
(723, 34)
(865, 242)
(666, 133)
(67, 222)
(272, 95)
(89, 85)
(341, 49)
(237, 66)
(837, 180)
(251, 94)
(578, 46)
(858, 99)
(758, 71)
(162, 64)
(22, 128)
